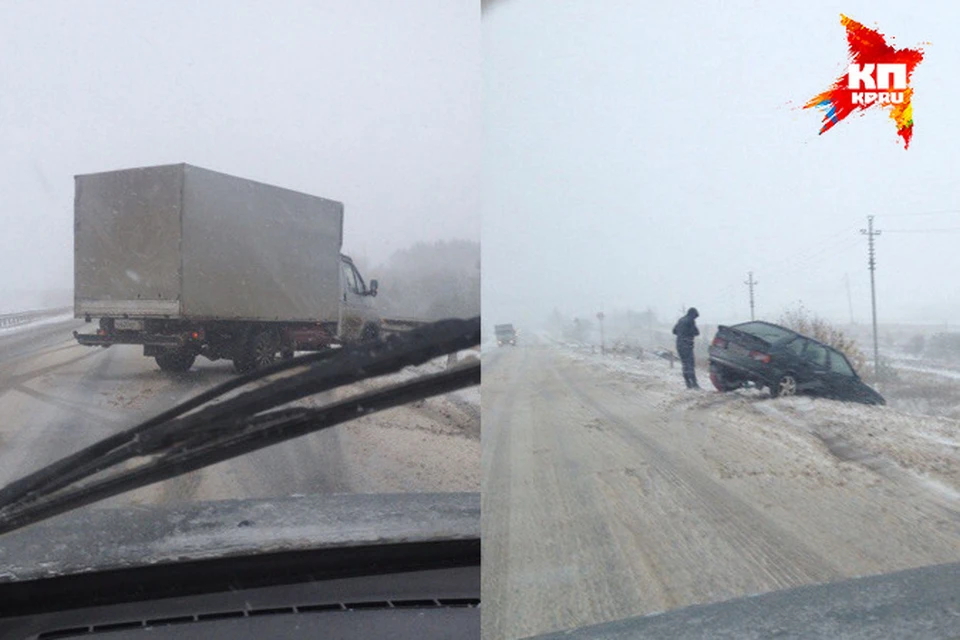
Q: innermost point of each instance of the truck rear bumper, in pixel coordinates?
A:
(97, 340)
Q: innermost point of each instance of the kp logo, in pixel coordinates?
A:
(878, 75)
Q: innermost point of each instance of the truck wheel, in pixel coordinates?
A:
(175, 361)
(260, 352)
(369, 334)
(785, 387)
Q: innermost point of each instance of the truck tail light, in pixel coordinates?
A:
(760, 357)
(197, 334)
(719, 342)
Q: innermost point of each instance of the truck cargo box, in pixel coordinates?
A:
(177, 241)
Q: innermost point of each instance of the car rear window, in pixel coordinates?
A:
(768, 332)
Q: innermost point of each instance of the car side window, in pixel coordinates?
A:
(839, 364)
(795, 346)
(349, 278)
(361, 286)
(815, 353)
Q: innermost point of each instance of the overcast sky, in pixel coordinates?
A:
(651, 154)
(373, 103)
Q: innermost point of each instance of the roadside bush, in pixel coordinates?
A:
(430, 281)
(944, 346)
(916, 345)
(801, 320)
(578, 330)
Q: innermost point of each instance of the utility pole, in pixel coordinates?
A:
(600, 319)
(872, 264)
(750, 282)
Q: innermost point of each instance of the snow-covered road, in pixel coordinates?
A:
(612, 491)
(57, 396)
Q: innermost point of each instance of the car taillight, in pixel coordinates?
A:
(760, 357)
(719, 342)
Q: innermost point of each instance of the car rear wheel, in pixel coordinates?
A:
(785, 387)
(721, 379)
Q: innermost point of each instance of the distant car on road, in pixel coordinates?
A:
(506, 334)
(786, 362)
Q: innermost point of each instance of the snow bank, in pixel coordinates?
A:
(885, 439)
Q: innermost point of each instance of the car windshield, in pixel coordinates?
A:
(195, 193)
(683, 217)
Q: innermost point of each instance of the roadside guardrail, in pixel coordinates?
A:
(401, 324)
(25, 317)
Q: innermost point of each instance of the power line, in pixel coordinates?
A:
(826, 243)
(943, 230)
(919, 213)
(829, 243)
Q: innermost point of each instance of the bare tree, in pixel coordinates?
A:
(801, 320)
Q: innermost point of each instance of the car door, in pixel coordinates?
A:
(815, 369)
(791, 355)
(351, 304)
(843, 381)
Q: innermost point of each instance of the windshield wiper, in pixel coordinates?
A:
(241, 424)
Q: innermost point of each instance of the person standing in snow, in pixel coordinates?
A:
(686, 330)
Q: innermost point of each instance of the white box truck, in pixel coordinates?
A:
(189, 262)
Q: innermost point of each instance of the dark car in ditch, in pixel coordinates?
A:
(788, 363)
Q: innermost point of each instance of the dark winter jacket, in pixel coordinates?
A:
(686, 329)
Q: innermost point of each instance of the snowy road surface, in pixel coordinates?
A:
(57, 396)
(609, 491)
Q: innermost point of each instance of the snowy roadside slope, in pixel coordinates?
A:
(918, 448)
